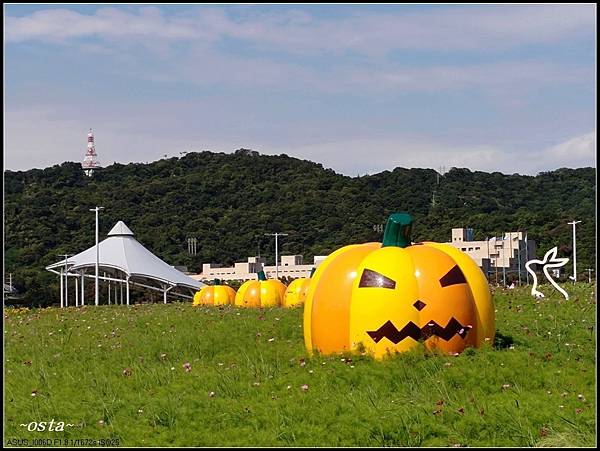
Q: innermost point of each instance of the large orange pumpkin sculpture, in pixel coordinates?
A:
(295, 294)
(215, 294)
(260, 293)
(387, 297)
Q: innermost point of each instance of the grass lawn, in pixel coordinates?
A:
(155, 374)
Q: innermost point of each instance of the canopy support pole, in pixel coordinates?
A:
(108, 290)
(76, 292)
(127, 290)
(82, 280)
(165, 290)
(62, 289)
(66, 290)
(121, 284)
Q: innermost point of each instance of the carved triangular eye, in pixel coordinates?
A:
(374, 279)
(453, 277)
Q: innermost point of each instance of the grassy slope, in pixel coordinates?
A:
(74, 359)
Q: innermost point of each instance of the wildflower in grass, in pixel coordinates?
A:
(272, 339)
(505, 386)
(289, 387)
(28, 363)
(304, 387)
(127, 372)
(256, 384)
(101, 423)
(438, 411)
(211, 394)
(578, 410)
(34, 393)
(187, 367)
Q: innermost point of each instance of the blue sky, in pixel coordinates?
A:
(359, 88)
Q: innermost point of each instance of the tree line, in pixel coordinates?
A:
(228, 202)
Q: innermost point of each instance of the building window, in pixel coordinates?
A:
(470, 248)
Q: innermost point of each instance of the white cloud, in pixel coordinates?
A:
(108, 23)
(579, 150)
(360, 156)
(59, 136)
(295, 31)
(142, 44)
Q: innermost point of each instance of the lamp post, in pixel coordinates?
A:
(276, 251)
(97, 209)
(574, 277)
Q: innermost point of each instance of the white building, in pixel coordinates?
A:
(289, 266)
(509, 252)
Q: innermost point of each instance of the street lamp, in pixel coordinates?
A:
(574, 277)
(276, 251)
(97, 209)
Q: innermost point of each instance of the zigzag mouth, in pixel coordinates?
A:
(389, 331)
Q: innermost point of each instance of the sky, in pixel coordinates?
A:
(358, 88)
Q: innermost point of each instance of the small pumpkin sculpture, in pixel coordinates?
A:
(215, 294)
(387, 297)
(295, 294)
(260, 293)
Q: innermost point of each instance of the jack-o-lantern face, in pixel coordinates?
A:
(260, 293)
(390, 297)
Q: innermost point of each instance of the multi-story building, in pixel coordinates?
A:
(289, 266)
(507, 253)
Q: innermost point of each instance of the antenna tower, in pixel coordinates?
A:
(90, 162)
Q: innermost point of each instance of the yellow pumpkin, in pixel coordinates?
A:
(387, 297)
(260, 293)
(215, 294)
(296, 292)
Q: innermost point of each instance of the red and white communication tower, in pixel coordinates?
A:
(89, 162)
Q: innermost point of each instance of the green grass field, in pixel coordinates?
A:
(174, 374)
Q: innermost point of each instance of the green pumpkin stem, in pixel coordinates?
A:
(312, 271)
(262, 275)
(397, 230)
(216, 282)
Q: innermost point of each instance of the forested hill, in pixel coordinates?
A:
(228, 202)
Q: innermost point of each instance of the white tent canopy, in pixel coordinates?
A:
(122, 259)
